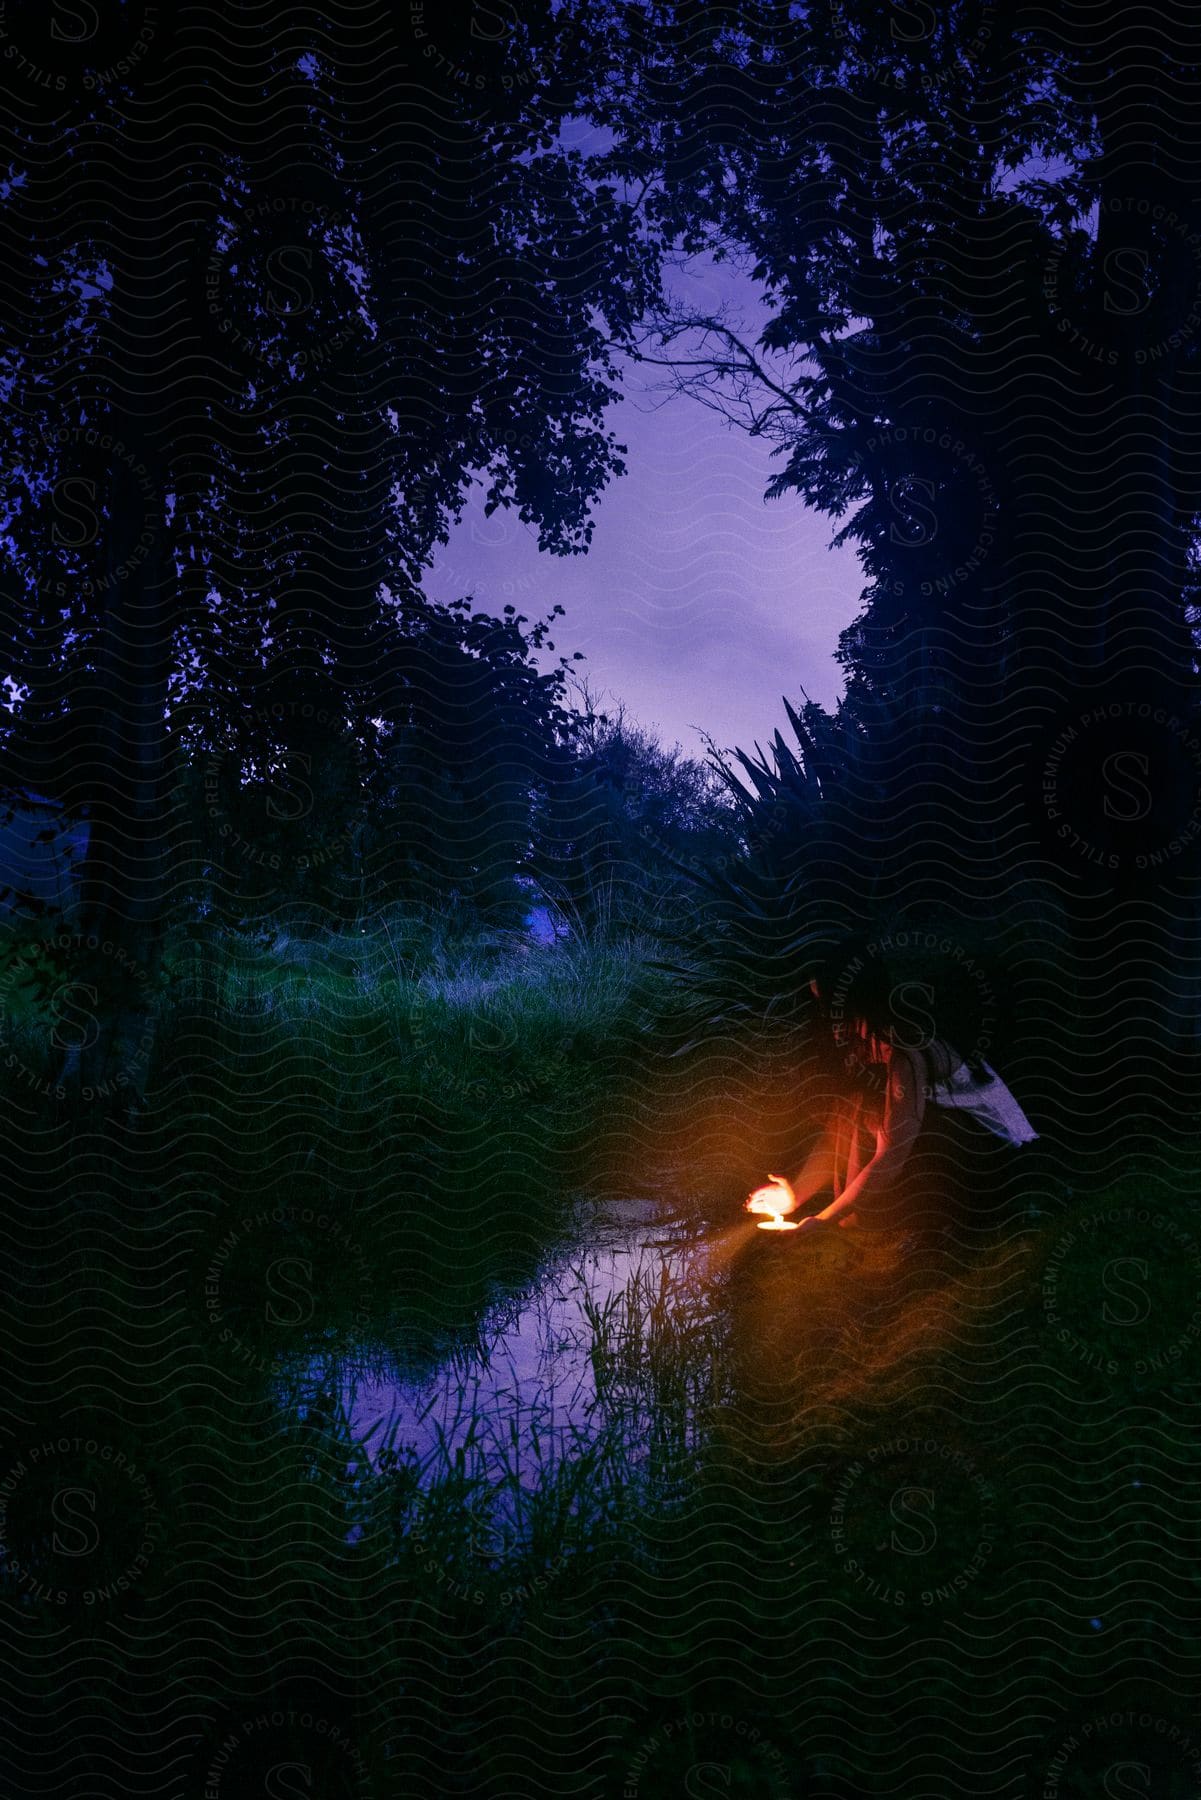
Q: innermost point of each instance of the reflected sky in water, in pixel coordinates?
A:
(523, 1392)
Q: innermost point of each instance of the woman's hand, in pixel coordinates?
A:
(811, 1223)
(778, 1195)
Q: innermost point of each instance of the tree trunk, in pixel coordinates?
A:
(124, 784)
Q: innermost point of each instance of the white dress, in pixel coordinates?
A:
(991, 1103)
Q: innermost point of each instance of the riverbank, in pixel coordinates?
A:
(816, 1503)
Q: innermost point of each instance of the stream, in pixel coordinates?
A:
(520, 1392)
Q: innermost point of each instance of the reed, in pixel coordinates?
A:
(522, 1592)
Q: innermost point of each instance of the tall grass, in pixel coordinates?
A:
(477, 1624)
(437, 1091)
(445, 1002)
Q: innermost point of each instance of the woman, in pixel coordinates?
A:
(921, 1137)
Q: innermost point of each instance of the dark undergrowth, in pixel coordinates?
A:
(943, 1486)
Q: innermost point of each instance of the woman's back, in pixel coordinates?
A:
(958, 1176)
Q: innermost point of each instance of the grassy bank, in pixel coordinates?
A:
(435, 1096)
(840, 1509)
(839, 1524)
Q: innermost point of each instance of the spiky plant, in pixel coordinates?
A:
(831, 875)
(766, 915)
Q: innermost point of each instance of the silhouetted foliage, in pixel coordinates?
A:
(977, 240)
(249, 390)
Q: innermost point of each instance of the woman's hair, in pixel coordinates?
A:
(853, 988)
(914, 1010)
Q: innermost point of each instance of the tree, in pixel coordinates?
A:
(475, 735)
(977, 234)
(630, 819)
(279, 302)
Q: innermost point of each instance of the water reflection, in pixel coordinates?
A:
(526, 1390)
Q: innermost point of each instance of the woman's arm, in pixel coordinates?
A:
(817, 1174)
(904, 1110)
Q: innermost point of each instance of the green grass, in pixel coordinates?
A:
(717, 1538)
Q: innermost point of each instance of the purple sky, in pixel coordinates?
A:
(699, 603)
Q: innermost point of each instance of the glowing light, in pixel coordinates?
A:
(774, 1201)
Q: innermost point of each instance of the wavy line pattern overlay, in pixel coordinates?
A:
(398, 1401)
